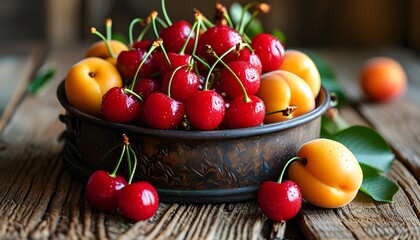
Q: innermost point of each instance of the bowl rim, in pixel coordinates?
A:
(200, 134)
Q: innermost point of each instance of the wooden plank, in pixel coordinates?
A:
(38, 198)
(398, 122)
(364, 218)
(20, 69)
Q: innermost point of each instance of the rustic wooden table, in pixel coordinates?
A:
(39, 199)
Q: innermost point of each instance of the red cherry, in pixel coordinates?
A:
(205, 110)
(176, 60)
(143, 44)
(242, 114)
(129, 61)
(279, 201)
(175, 36)
(246, 73)
(246, 55)
(102, 190)
(221, 38)
(119, 106)
(270, 51)
(144, 87)
(184, 83)
(163, 112)
(138, 201)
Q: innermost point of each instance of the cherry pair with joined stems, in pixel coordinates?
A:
(108, 191)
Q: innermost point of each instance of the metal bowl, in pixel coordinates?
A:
(217, 166)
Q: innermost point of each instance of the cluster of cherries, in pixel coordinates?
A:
(108, 191)
(202, 76)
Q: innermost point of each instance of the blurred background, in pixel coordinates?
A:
(315, 23)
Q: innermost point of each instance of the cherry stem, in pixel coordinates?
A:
(204, 62)
(108, 25)
(241, 23)
(261, 8)
(285, 112)
(198, 22)
(223, 13)
(206, 85)
(108, 46)
(132, 172)
(125, 140)
(246, 38)
(152, 48)
(163, 23)
(143, 32)
(172, 76)
(286, 165)
(126, 90)
(165, 13)
(228, 19)
(153, 16)
(130, 29)
(246, 98)
(184, 46)
(130, 168)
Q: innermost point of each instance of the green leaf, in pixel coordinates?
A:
(376, 185)
(40, 80)
(255, 26)
(120, 37)
(235, 12)
(367, 145)
(328, 128)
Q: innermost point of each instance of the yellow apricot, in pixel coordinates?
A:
(99, 49)
(301, 64)
(382, 79)
(280, 89)
(329, 175)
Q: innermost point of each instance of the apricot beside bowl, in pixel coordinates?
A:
(218, 166)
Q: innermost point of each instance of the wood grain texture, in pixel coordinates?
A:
(398, 122)
(26, 65)
(39, 199)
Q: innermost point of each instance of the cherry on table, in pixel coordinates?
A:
(119, 106)
(279, 201)
(102, 190)
(138, 201)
